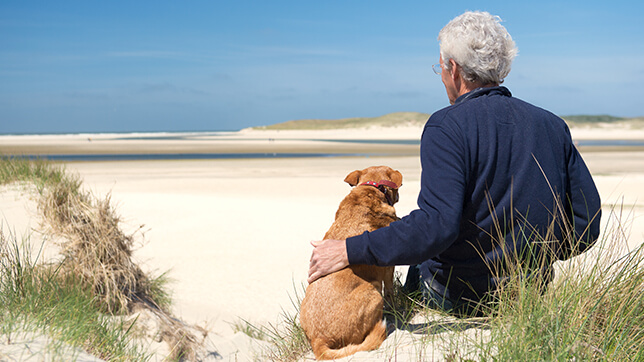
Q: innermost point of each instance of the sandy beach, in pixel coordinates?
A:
(233, 233)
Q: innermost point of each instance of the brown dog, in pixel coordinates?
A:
(342, 313)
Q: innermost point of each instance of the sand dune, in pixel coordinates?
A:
(234, 234)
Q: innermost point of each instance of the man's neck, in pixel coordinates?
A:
(467, 87)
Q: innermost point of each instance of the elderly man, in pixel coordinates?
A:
(500, 177)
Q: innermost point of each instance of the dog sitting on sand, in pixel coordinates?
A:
(342, 313)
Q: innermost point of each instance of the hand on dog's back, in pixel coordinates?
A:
(328, 256)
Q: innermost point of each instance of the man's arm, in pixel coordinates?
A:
(584, 207)
(425, 232)
(433, 227)
(328, 256)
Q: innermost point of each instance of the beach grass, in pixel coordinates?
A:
(592, 310)
(95, 284)
(38, 172)
(398, 119)
(603, 118)
(387, 120)
(94, 248)
(35, 299)
(586, 121)
(286, 339)
(597, 317)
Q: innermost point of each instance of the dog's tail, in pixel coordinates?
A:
(372, 341)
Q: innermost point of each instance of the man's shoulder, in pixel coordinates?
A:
(533, 113)
(529, 107)
(439, 117)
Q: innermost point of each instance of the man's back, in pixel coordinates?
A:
(493, 168)
(518, 165)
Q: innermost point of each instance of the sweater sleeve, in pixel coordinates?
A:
(433, 227)
(583, 207)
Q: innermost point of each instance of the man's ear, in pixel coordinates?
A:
(454, 70)
(456, 74)
(353, 178)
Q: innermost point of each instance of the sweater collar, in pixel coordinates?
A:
(499, 90)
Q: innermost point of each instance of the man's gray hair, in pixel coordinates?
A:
(480, 45)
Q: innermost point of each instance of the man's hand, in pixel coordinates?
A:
(328, 256)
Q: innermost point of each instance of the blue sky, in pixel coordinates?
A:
(129, 66)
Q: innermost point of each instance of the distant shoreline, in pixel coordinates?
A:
(389, 121)
(266, 150)
(186, 156)
(368, 141)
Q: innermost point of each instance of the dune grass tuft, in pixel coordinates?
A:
(38, 299)
(593, 309)
(286, 338)
(387, 120)
(97, 263)
(94, 247)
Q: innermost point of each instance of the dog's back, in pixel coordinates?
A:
(341, 313)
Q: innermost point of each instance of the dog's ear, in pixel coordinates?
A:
(395, 177)
(353, 178)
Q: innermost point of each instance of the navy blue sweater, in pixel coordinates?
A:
(493, 170)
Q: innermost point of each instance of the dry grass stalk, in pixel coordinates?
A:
(94, 247)
(97, 252)
(183, 342)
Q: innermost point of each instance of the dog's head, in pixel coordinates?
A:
(373, 176)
